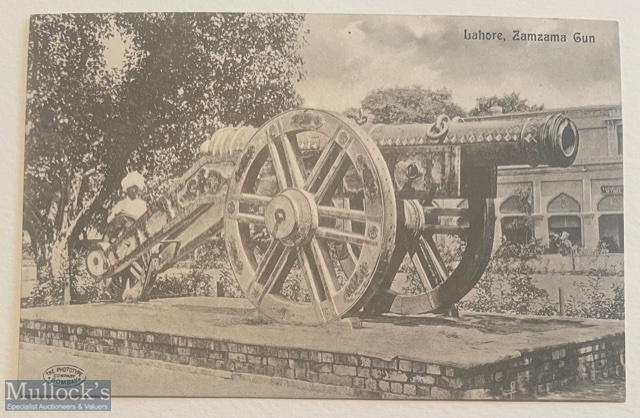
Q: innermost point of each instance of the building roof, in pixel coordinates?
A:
(598, 113)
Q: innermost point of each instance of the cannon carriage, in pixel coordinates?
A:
(342, 207)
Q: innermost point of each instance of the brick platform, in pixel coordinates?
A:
(477, 356)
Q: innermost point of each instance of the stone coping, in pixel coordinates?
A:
(473, 340)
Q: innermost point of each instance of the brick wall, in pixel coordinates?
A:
(533, 373)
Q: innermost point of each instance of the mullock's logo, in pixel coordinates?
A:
(42, 395)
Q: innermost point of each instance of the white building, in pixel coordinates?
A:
(584, 201)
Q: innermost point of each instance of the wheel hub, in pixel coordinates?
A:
(292, 217)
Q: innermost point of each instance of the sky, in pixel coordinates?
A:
(346, 56)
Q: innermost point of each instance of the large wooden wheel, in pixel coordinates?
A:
(287, 226)
(441, 262)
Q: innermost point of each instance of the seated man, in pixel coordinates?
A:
(132, 205)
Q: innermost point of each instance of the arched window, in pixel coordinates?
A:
(564, 232)
(611, 229)
(517, 226)
(563, 203)
(611, 203)
(513, 204)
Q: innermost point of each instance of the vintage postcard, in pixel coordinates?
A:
(321, 206)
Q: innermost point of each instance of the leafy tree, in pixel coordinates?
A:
(521, 225)
(408, 105)
(510, 103)
(182, 76)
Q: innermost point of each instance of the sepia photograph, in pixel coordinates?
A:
(343, 206)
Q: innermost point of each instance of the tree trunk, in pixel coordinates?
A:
(60, 268)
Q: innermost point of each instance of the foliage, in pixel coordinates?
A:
(510, 103)
(47, 291)
(594, 303)
(407, 105)
(230, 284)
(195, 283)
(507, 285)
(451, 252)
(211, 254)
(525, 198)
(181, 76)
(292, 287)
(561, 244)
(512, 226)
(27, 251)
(608, 245)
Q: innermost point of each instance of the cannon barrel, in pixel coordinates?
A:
(550, 140)
(547, 140)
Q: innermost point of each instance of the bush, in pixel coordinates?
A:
(194, 283)
(561, 244)
(594, 303)
(48, 291)
(210, 254)
(507, 285)
(451, 251)
(85, 288)
(230, 284)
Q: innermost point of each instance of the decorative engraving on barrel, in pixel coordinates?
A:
(530, 132)
(206, 181)
(168, 205)
(469, 133)
(307, 120)
(244, 162)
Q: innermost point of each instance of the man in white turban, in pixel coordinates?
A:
(132, 205)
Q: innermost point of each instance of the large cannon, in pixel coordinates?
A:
(313, 197)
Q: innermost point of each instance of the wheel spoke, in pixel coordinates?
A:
(327, 269)
(320, 277)
(331, 176)
(431, 210)
(343, 236)
(288, 163)
(272, 271)
(428, 263)
(423, 274)
(323, 161)
(293, 160)
(341, 213)
(326, 169)
(136, 270)
(254, 199)
(444, 229)
(431, 252)
(278, 168)
(249, 218)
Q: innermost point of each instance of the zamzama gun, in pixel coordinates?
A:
(312, 196)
